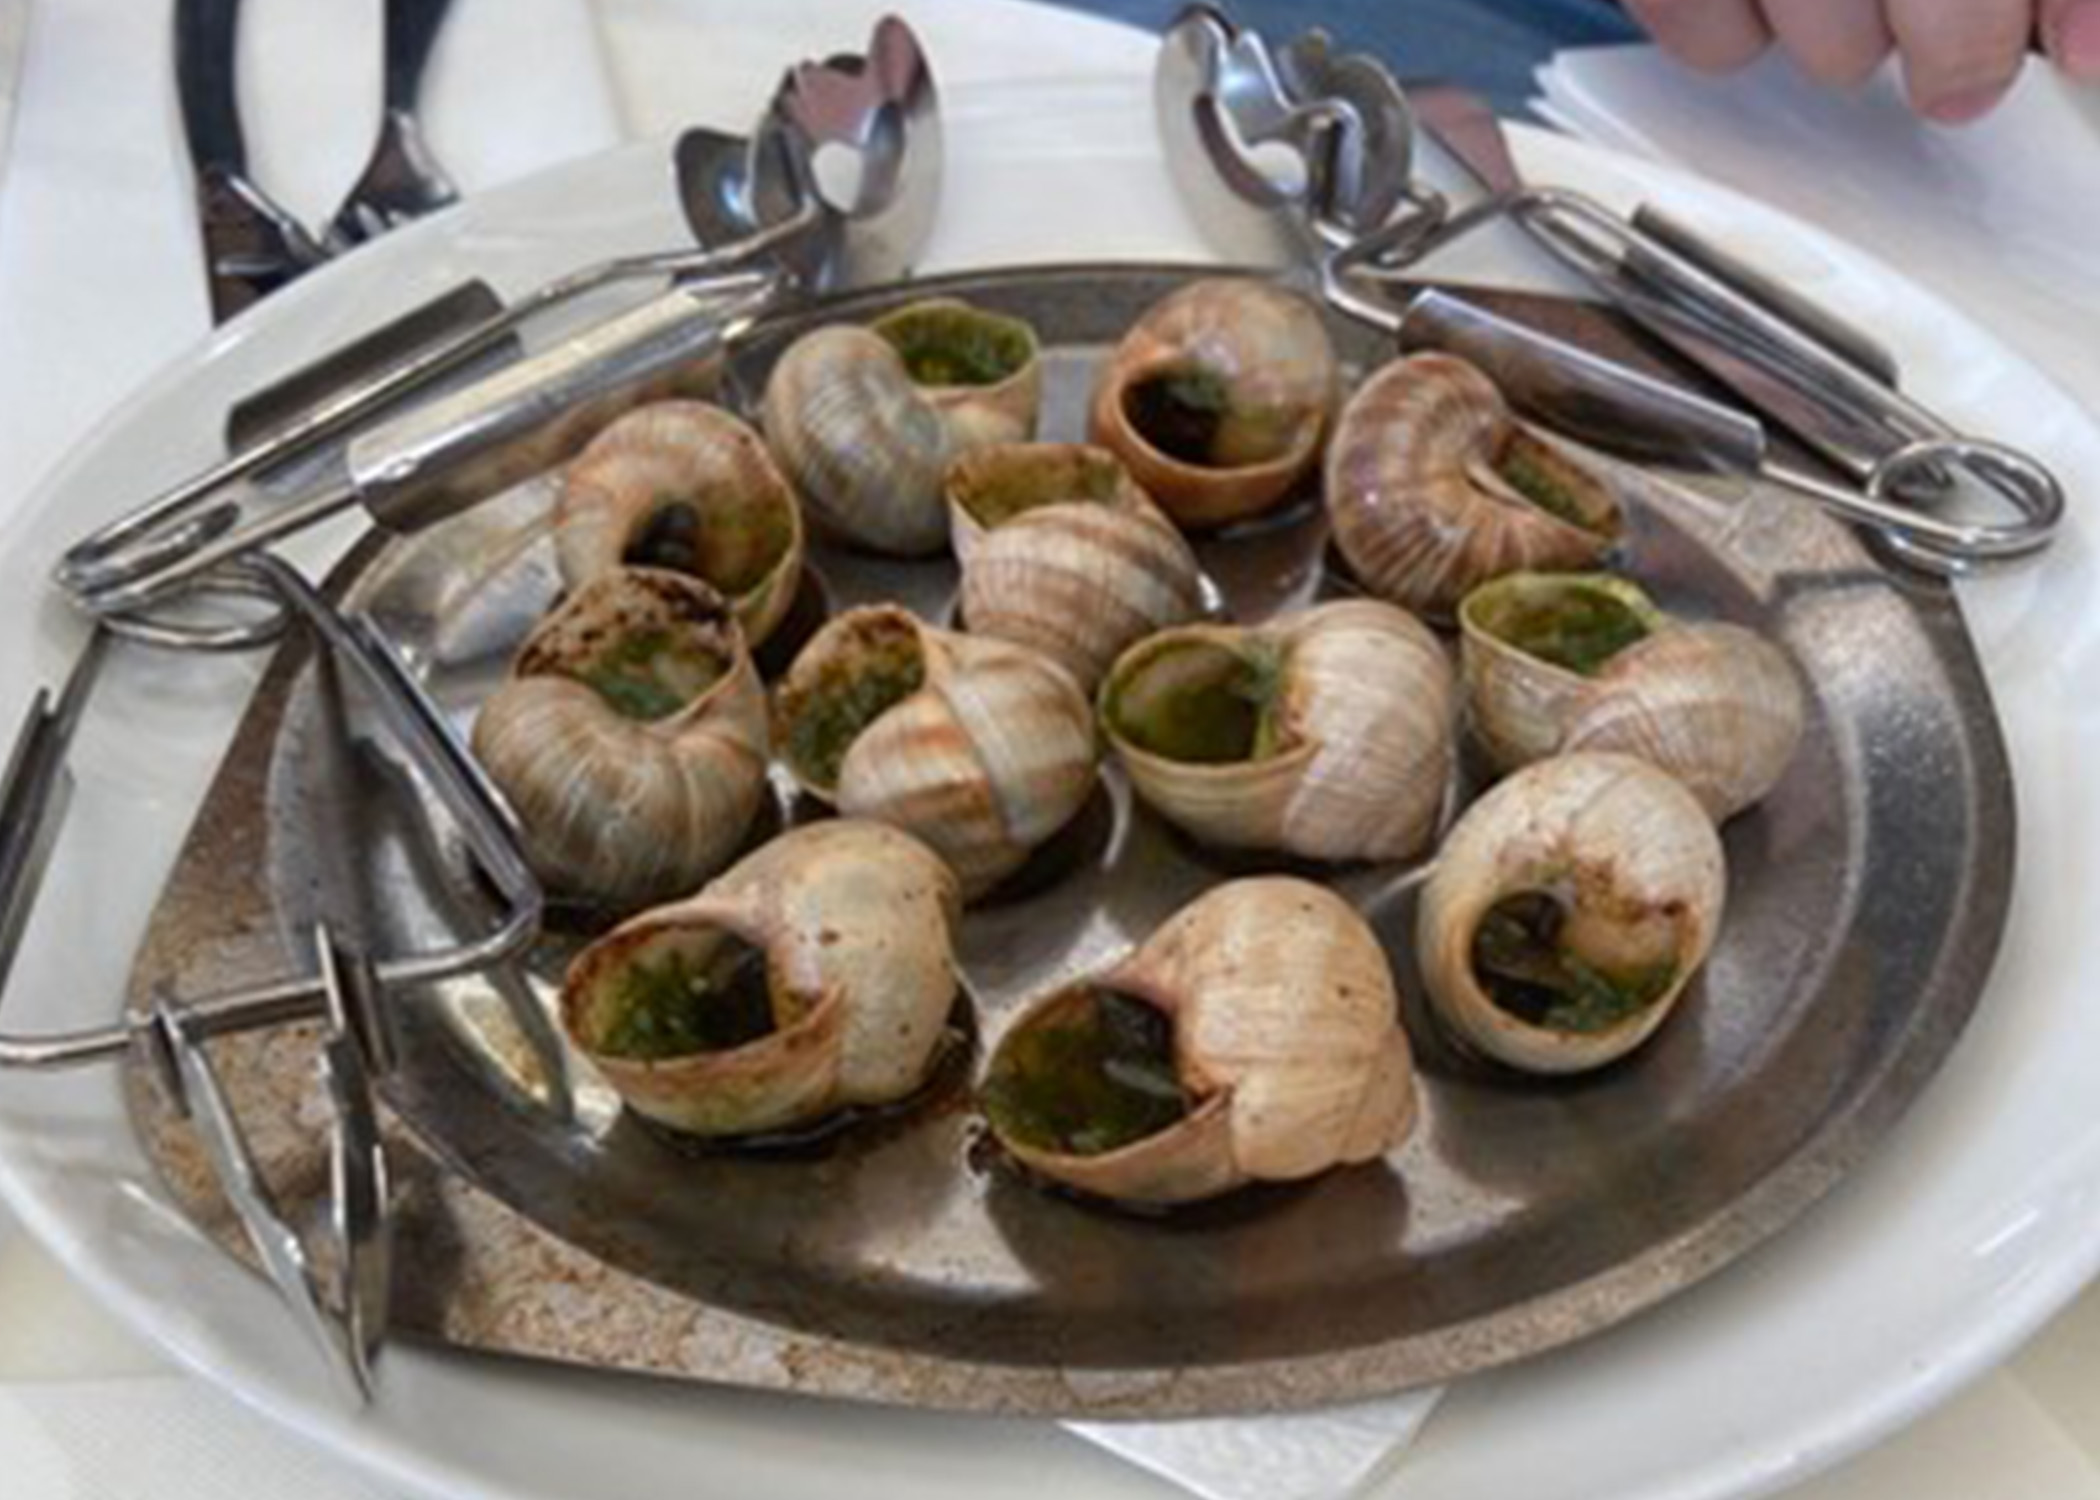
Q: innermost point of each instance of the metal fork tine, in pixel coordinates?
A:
(201, 1099)
(359, 1050)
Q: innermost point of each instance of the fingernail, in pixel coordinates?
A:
(2078, 40)
(1960, 109)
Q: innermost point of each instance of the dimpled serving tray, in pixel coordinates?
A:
(895, 1260)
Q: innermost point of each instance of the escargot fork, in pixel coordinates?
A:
(340, 1295)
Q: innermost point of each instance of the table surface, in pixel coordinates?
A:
(2030, 1430)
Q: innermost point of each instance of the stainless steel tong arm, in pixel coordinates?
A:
(101, 571)
(33, 793)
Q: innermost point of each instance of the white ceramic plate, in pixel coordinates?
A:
(1964, 1232)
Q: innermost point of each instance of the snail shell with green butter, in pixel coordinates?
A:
(1254, 1037)
(1219, 398)
(1328, 734)
(815, 975)
(630, 738)
(1061, 551)
(1560, 663)
(1568, 910)
(980, 748)
(1433, 489)
(865, 421)
(684, 486)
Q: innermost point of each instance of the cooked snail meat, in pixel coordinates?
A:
(1254, 1037)
(816, 975)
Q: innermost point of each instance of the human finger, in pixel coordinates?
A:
(2071, 32)
(1959, 56)
(1838, 42)
(1712, 35)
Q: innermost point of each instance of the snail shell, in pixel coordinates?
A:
(1276, 1053)
(1433, 489)
(981, 748)
(1219, 397)
(1587, 662)
(828, 956)
(685, 486)
(1062, 552)
(630, 738)
(865, 420)
(1327, 734)
(1568, 910)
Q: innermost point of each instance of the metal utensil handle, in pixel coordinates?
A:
(109, 556)
(1849, 343)
(1592, 399)
(412, 28)
(437, 460)
(460, 449)
(348, 1325)
(1849, 416)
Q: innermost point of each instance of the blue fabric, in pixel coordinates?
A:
(1489, 46)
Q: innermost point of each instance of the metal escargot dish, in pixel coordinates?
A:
(981, 748)
(684, 486)
(1220, 398)
(1253, 1037)
(815, 975)
(865, 420)
(1327, 734)
(630, 738)
(1434, 488)
(1556, 663)
(1568, 910)
(1062, 551)
(1202, 974)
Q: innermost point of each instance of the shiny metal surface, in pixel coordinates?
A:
(251, 246)
(893, 1261)
(458, 797)
(779, 225)
(402, 180)
(1581, 395)
(1617, 408)
(1275, 148)
(1978, 501)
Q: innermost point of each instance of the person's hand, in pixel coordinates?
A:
(1959, 56)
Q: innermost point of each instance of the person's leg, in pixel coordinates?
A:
(1487, 45)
